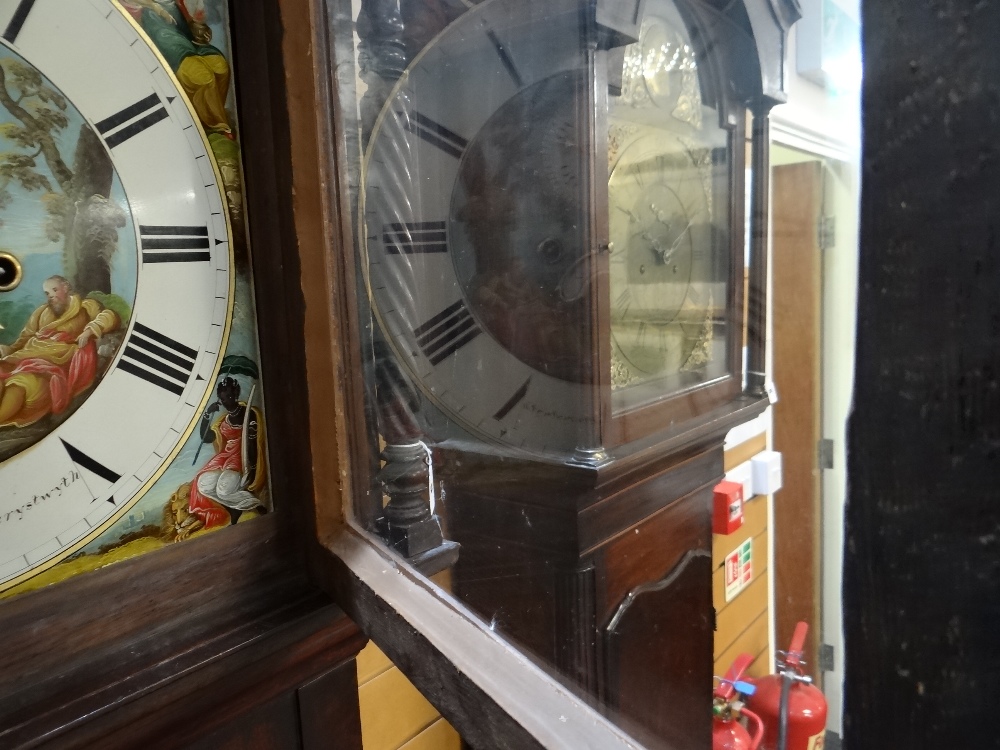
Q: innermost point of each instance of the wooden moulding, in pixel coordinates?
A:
(238, 689)
(499, 505)
(492, 694)
(107, 654)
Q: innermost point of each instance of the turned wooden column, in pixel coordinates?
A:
(406, 522)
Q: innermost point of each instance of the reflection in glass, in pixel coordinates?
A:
(668, 193)
(550, 236)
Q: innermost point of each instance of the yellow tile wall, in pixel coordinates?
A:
(743, 625)
(394, 715)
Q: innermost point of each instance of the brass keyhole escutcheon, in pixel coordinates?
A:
(11, 272)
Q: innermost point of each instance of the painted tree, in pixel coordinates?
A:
(77, 198)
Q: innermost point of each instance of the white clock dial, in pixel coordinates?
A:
(159, 330)
(475, 304)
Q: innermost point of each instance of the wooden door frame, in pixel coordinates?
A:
(804, 549)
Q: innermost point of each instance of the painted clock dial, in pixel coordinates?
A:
(122, 329)
(474, 203)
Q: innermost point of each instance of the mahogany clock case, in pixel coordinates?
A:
(220, 639)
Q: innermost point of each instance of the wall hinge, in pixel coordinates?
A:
(827, 232)
(826, 657)
(824, 452)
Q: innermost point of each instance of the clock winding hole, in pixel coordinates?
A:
(11, 272)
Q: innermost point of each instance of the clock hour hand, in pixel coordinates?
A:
(665, 254)
(658, 250)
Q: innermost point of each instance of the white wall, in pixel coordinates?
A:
(826, 124)
(840, 269)
(815, 119)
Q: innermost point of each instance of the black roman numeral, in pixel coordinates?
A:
(94, 466)
(641, 333)
(171, 366)
(174, 244)
(623, 302)
(434, 133)
(417, 237)
(513, 401)
(132, 120)
(446, 332)
(17, 20)
(505, 60)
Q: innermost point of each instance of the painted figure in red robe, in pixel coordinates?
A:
(55, 357)
(231, 481)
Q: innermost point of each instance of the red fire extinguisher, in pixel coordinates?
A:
(792, 709)
(727, 731)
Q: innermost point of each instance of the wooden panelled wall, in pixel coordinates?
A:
(744, 624)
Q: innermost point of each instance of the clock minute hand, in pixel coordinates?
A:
(667, 254)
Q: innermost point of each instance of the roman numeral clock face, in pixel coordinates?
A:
(118, 224)
(472, 211)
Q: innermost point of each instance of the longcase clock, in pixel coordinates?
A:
(550, 229)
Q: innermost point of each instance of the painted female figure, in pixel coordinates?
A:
(230, 482)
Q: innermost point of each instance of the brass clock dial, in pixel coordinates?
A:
(669, 259)
(115, 358)
(660, 258)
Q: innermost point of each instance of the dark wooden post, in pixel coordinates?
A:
(922, 554)
(406, 522)
(409, 525)
(760, 195)
(381, 56)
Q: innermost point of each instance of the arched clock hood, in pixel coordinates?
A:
(769, 22)
(765, 22)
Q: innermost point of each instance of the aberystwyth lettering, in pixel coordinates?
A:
(20, 512)
(535, 409)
